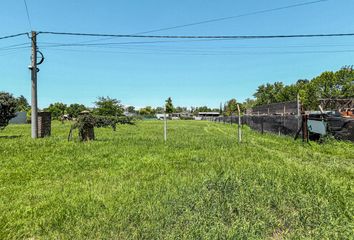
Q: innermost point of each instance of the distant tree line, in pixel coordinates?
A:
(170, 108)
(339, 84)
(104, 106)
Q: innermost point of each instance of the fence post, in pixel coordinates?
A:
(165, 125)
(305, 134)
(298, 110)
(239, 124)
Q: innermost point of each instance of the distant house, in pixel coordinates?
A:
(182, 115)
(160, 116)
(21, 118)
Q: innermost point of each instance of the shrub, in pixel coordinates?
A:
(8, 108)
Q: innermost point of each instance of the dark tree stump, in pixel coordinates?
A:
(87, 134)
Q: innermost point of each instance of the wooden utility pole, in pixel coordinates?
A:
(34, 105)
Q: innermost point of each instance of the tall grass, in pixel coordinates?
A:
(201, 184)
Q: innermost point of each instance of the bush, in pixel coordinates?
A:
(8, 108)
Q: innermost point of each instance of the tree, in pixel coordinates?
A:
(230, 107)
(159, 110)
(328, 84)
(169, 105)
(249, 103)
(22, 104)
(8, 106)
(180, 109)
(57, 110)
(269, 93)
(147, 111)
(106, 106)
(346, 79)
(202, 109)
(75, 109)
(130, 109)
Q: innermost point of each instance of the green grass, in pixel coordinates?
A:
(200, 185)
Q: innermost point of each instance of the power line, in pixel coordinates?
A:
(14, 35)
(125, 43)
(224, 18)
(232, 17)
(28, 16)
(15, 46)
(152, 44)
(188, 53)
(200, 37)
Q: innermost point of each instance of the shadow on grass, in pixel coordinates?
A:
(10, 137)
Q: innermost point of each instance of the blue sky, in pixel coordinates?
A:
(193, 73)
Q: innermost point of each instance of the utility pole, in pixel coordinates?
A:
(33, 68)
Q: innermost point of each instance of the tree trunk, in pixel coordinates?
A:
(87, 134)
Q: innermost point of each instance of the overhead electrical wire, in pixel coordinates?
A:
(235, 16)
(152, 44)
(199, 37)
(189, 53)
(14, 46)
(14, 35)
(180, 38)
(193, 49)
(186, 36)
(223, 18)
(28, 16)
(126, 43)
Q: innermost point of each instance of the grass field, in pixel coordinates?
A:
(200, 185)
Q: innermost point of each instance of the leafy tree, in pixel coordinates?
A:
(130, 109)
(56, 109)
(346, 78)
(180, 109)
(169, 105)
(249, 103)
(230, 107)
(147, 111)
(8, 106)
(159, 110)
(22, 104)
(106, 106)
(269, 93)
(329, 84)
(202, 109)
(75, 109)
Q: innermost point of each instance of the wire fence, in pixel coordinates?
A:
(282, 125)
(285, 119)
